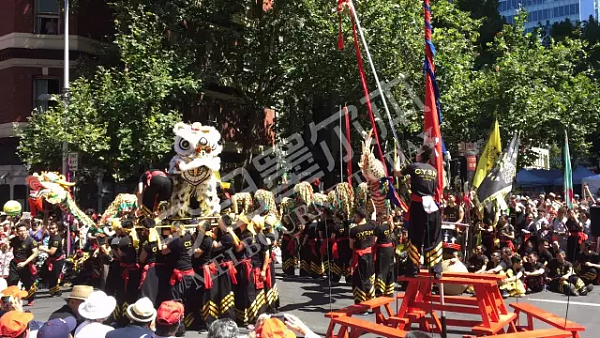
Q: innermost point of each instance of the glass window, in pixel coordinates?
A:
(47, 17)
(43, 89)
(555, 12)
(561, 11)
(574, 9)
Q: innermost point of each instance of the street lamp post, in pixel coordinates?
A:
(66, 86)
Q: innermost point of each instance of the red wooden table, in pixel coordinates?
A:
(487, 303)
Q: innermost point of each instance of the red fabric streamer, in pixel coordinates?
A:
(363, 80)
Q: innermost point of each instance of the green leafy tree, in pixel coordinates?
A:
(537, 88)
(119, 119)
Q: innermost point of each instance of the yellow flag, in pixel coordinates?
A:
(492, 150)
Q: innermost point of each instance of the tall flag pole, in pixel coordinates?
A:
(568, 175)
(431, 120)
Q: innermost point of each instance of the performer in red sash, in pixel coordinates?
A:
(22, 267)
(271, 291)
(183, 286)
(207, 309)
(245, 292)
(425, 225)
(362, 238)
(56, 259)
(289, 249)
(340, 251)
(149, 280)
(130, 272)
(227, 280)
(383, 253)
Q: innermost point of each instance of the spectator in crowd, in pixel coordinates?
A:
(588, 264)
(544, 253)
(168, 319)
(562, 279)
(534, 273)
(478, 262)
(512, 285)
(15, 324)
(79, 294)
(95, 310)
(57, 328)
(141, 314)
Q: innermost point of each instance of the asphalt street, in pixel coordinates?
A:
(310, 300)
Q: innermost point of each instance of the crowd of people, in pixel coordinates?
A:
(88, 314)
(208, 272)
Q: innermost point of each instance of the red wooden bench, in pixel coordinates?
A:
(352, 327)
(544, 333)
(546, 317)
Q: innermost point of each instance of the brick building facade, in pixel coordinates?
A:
(31, 68)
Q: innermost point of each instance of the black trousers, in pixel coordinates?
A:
(55, 276)
(424, 231)
(289, 255)
(184, 291)
(363, 279)
(25, 276)
(385, 272)
(245, 295)
(160, 189)
(150, 285)
(341, 265)
(128, 294)
(226, 295)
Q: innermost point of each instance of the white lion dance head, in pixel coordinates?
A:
(198, 163)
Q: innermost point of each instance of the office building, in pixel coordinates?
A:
(549, 11)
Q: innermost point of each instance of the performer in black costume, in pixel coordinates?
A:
(362, 238)
(340, 251)
(130, 271)
(56, 259)
(207, 310)
(383, 254)
(245, 292)
(154, 187)
(149, 281)
(425, 223)
(271, 291)
(22, 267)
(223, 253)
(289, 249)
(182, 282)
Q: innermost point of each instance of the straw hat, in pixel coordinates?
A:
(97, 306)
(80, 292)
(142, 311)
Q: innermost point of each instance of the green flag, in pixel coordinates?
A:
(568, 175)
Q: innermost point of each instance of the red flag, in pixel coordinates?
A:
(431, 120)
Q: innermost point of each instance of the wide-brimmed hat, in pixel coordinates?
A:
(142, 311)
(97, 306)
(80, 292)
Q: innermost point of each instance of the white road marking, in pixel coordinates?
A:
(562, 302)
